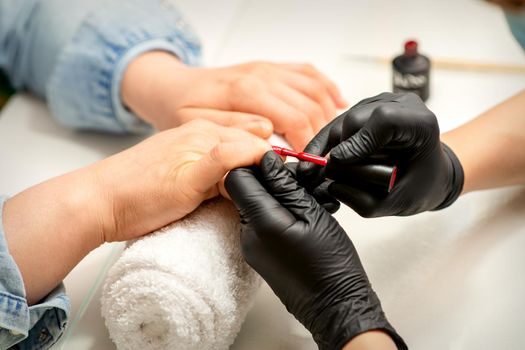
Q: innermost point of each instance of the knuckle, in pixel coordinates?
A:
(318, 88)
(314, 111)
(385, 112)
(262, 69)
(244, 85)
(298, 121)
(385, 116)
(292, 123)
(331, 85)
(221, 157)
(308, 68)
(217, 154)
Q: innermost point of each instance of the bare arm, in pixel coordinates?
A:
(491, 147)
(372, 340)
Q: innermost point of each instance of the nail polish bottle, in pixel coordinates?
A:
(411, 71)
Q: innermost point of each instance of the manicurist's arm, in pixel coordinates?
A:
(491, 147)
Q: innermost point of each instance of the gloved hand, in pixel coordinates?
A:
(304, 255)
(320, 193)
(392, 129)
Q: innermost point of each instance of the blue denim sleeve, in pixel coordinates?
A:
(516, 21)
(29, 327)
(74, 53)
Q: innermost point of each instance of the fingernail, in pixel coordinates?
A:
(267, 127)
(258, 127)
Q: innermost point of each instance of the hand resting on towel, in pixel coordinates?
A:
(128, 195)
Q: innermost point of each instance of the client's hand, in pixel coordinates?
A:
(305, 256)
(122, 197)
(167, 176)
(295, 100)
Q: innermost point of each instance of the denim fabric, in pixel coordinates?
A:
(29, 327)
(516, 21)
(74, 53)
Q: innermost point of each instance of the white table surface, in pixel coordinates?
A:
(448, 280)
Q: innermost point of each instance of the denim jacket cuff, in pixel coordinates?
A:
(126, 117)
(84, 89)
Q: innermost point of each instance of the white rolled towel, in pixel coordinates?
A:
(184, 287)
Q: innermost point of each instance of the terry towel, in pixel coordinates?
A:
(185, 286)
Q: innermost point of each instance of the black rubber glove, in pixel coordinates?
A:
(320, 193)
(304, 255)
(390, 129)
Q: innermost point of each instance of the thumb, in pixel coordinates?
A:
(256, 206)
(223, 157)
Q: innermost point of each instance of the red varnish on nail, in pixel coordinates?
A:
(300, 155)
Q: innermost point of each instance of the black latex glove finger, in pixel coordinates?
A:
(320, 193)
(253, 201)
(391, 123)
(357, 116)
(309, 174)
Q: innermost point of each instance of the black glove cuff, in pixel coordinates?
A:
(458, 178)
(339, 324)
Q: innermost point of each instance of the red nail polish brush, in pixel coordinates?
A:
(300, 155)
(378, 175)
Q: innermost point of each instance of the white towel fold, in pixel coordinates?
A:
(183, 287)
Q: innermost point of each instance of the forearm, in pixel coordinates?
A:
(371, 340)
(491, 147)
(49, 228)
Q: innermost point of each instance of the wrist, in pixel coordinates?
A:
(371, 340)
(338, 325)
(147, 79)
(84, 199)
(456, 177)
(53, 222)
